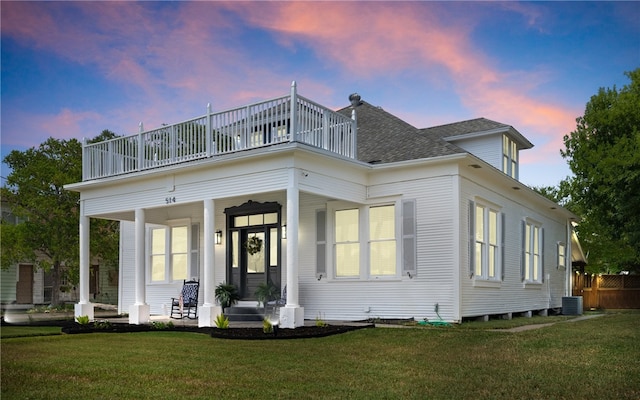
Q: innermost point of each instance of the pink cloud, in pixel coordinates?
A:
(394, 37)
(185, 55)
(66, 124)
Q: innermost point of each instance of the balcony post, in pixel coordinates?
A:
(294, 113)
(208, 134)
(85, 160)
(140, 147)
(354, 134)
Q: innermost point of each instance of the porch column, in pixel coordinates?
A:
(292, 315)
(209, 310)
(84, 307)
(139, 312)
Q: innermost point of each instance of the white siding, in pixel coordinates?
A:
(402, 297)
(511, 295)
(486, 148)
(8, 279)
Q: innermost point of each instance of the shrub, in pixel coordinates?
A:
(267, 327)
(83, 319)
(222, 322)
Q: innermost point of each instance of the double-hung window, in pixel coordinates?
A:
(173, 252)
(487, 238)
(365, 241)
(562, 255)
(382, 241)
(532, 251)
(509, 157)
(347, 242)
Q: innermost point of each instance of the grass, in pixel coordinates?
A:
(28, 331)
(595, 359)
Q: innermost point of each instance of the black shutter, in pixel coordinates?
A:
(321, 244)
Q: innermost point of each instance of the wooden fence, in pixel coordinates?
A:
(607, 291)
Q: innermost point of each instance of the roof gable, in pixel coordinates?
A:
(384, 138)
(476, 127)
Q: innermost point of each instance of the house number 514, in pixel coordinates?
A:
(169, 200)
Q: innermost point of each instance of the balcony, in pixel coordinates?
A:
(292, 118)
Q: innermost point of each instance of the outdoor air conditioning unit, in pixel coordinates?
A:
(572, 305)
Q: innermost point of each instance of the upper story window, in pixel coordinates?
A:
(509, 157)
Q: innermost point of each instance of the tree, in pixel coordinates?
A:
(48, 235)
(604, 155)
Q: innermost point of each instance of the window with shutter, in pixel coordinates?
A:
(532, 252)
(367, 241)
(486, 241)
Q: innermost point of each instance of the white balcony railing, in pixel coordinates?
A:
(286, 119)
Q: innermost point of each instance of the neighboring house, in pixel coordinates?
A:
(24, 284)
(358, 213)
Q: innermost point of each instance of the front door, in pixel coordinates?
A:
(24, 286)
(253, 251)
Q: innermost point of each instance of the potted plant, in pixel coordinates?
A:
(266, 292)
(227, 294)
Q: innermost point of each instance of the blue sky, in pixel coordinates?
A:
(73, 69)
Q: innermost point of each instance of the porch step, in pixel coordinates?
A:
(239, 313)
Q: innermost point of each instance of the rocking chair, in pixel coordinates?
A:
(186, 306)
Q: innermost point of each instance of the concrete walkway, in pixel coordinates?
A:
(539, 326)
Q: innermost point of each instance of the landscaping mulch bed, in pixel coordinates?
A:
(72, 327)
(298, 333)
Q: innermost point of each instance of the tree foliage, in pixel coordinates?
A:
(48, 232)
(604, 156)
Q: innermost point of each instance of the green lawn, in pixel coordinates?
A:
(591, 359)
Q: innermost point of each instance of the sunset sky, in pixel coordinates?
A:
(73, 69)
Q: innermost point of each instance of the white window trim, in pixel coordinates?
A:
(512, 147)
(558, 246)
(529, 281)
(484, 280)
(364, 241)
(168, 268)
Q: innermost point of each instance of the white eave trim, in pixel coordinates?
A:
(509, 130)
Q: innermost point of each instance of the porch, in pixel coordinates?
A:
(291, 118)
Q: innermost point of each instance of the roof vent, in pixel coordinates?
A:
(355, 99)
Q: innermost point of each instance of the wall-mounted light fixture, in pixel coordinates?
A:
(218, 238)
(284, 231)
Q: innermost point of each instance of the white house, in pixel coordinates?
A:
(360, 214)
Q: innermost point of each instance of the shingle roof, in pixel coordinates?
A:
(385, 138)
(464, 127)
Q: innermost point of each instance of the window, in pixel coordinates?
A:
(347, 243)
(509, 157)
(364, 242)
(532, 251)
(487, 238)
(562, 255)
(174, 253)
(382, 240)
